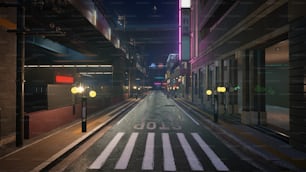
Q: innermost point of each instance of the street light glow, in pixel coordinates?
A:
(208, 92)
(221, 89)
(92, 93)
(74, 90)
(81, 89)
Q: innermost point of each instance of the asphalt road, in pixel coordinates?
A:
(157, 135)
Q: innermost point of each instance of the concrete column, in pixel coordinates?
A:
(118, 80)
(219, 82)
(206, 99)
(226, 81)
(248, 115)
(297, 73)
(259, 82)
(8, 76)
(253, 111)
(240, 68)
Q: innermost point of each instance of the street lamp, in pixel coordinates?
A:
(209, 92)
(92, 94)
(223, 89)
(215, 103)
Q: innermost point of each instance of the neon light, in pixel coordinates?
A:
(160, 65)
(64, 79)
(157, 83)
(180, 30)
(159, 77)
(67, 66)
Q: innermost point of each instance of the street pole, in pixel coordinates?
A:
(84, 114)
(20, 74)
(215, 108)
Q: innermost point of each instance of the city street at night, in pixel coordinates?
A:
(152, 85)
(154, 133)
(157, 135)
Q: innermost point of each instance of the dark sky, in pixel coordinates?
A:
(152, 24)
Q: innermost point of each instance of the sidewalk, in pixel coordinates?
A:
(36, 155)
(260, 144)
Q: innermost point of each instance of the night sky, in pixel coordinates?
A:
(152, 24)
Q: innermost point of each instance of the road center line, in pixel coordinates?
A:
(169, 164)
(193, 161)
(99, 162)
(220, 166)
(148, 160)
(122, 163)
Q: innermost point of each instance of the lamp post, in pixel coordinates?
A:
(215, 103)
(215, 100)
(84, 113)
(92, 94)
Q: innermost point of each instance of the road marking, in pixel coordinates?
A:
(99, 162)
(190, 117)
(169, 164)
(148, 160)
(191, 157)
(128, 114)
(122, 163)
(216, 161)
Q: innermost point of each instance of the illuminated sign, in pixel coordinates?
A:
(185, 3)
(184, 30)
(157, 83)
(159, 77)
(185, 37)
(64, 79)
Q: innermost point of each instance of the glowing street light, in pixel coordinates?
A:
(92, 94)
(221, 89)
(74, 90)
(77, 90)
(208, 92)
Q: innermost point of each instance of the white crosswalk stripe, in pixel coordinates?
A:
(216, 161)
(194, 162)
(127, 152)
(168, 156)
(99, 162)
(148, 159)
(169, 164)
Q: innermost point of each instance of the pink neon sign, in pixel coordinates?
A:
(180, 31)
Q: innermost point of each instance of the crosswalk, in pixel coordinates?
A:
(169, 163)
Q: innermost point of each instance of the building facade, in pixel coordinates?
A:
(255, 50)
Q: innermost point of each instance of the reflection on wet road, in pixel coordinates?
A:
(157, 135)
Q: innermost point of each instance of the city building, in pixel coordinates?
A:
(255, 49)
